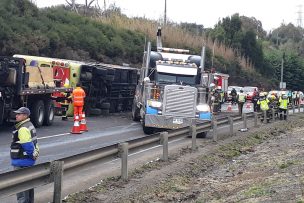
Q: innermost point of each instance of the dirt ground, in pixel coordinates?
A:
(265, 164)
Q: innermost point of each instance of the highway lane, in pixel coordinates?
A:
(56, 142)
(92, 174)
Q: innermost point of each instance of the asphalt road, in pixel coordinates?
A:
(56, 142)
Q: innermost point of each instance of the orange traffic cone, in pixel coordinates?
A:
(83, 123)
(76, 127)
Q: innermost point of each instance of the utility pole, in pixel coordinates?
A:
(165, 15)
(212, 59)
(282, 67)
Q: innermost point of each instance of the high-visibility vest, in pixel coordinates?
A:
(283, 103)
(78, 96)
(264, 104)
(242, 97)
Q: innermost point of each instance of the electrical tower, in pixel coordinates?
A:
(299, 20)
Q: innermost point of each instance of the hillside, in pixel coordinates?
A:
(111, 37)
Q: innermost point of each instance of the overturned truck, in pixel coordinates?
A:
(109, 88)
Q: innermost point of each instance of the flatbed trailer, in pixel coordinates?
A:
(16, 92)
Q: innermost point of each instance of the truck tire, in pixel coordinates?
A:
(105, 112)
(105, 105)
(147, 130)
(135, 113)
(48, 112)
(86, 76)
(201, 135)
(94, 111)
(37, 113)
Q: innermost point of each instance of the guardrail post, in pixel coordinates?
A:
(214, 127)
(293, 109)
(256, 117)
(193, 133)
(123, 147)
(273, 114)
(230, 120)
(164, 142)
(56, 175)
(245, 120)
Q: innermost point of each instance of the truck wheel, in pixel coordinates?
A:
(37, 113)
(201, 135)
(147, 130)
(105, 105)
(49, 112)
(135, 113)
(94, 111)
(105, 112)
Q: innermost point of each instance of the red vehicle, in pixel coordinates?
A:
(250, 91)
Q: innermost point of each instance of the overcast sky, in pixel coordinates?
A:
(270, 12)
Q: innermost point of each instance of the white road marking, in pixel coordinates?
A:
(40, 138)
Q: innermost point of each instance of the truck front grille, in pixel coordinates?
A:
(179, 101)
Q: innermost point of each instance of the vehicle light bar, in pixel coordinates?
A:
(173, 50)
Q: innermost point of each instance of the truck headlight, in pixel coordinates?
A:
(203, 107)
(155, 104)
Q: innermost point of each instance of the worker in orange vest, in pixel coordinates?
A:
(78, 100)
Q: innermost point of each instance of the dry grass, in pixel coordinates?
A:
(174, 36)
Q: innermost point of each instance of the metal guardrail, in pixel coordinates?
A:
(15, 181)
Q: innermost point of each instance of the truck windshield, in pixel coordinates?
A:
(165, 78)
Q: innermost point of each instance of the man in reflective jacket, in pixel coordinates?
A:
(241, 98)
(24, 148)
(263, 102)
(78, 100)
(283, 104)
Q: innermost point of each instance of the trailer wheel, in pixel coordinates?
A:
(105, 112)
(49, 112)
(94, 111)
(37, 113)
(105, 105)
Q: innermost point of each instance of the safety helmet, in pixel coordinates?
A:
(66, 85)
(261, 94)
(284, 96)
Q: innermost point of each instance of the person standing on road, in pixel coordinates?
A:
(241, 98)
(65, 104)
(283, 104)
(24, 148)
(263, 102)
(233, 94)
(78, 96)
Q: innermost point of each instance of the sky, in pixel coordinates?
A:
(272, 13)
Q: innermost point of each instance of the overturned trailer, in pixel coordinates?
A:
(109, 88)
